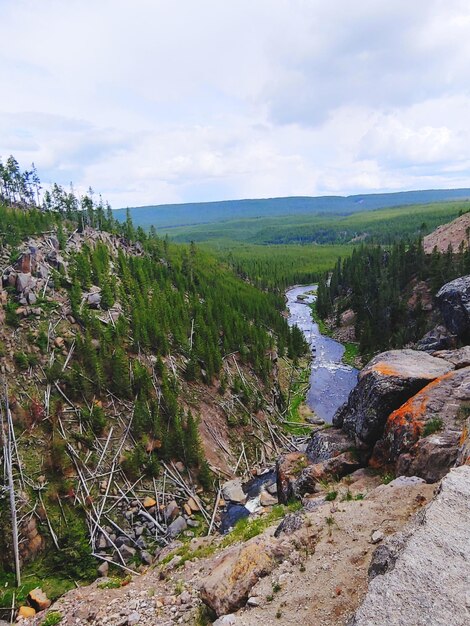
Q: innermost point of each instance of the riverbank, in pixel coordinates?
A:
(330, 379)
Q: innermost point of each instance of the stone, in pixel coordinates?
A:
(233, 492)
(192, 523)
(272, 489)
(32, 298)
(93, 300)
(266, 499)
(172, 511)
(326, 444)
(193, 505)
(288, 468)
(463, 456)
(254, 601)
(227, 587)
(439, 338)
(59, 342)
(377, 536)
(38, 599)
(387, 381)
(460, 358)
(180, 466)
(453, 300)
(407, 447)
(149, 502)
(187, 509)
(290, 524)
(424, 571)
(133, 618)
(297, 476)
(177, 526)
(26, 612)
(127, 552)
(23, 281)
(146, 557)
(103, 569)
(226, 620)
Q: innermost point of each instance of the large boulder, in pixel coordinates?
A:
(423, 578)
(228, 586)
(454, 302)
(297, 475)
(326, 444)
(387, 381)
(439, 338)
(422, 437)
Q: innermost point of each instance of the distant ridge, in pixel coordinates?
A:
(169, 215)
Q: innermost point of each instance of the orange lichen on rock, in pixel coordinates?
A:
(410, 414)
(385, 369)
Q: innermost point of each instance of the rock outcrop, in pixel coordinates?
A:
(454, 302)
(228, 586)
(422, 437)
(298, 476)
(387, 381)
(421, 577)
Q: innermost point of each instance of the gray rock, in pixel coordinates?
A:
(377, 536)
(233, 492)
(103, 569)
(291, 523)
(454, 302)
(226, 620)
(146, 557)
(192, 523)
(177, 526)
(326, 444)
(133, 618)
(422, 577)
(171, 511)
(93, 300)
(122, 540)
(23, 281)
(460, 358)
(127, 552)
(439, 338)
(387, 381)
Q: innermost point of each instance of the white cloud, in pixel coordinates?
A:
(156, 101)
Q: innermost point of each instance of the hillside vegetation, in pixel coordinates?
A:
(206, 212)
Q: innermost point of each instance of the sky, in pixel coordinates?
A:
(167, 101)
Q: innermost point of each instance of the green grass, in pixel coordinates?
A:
(432, 426)
(52, 618)
(245, 529)
(351, 352)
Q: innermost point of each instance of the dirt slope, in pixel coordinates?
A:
(453, 233)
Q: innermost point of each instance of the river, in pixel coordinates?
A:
(330, 379)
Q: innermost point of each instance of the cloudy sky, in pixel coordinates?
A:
(154, 101)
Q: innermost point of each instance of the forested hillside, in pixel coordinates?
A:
(389, 290)
(166, 215)
(122, 354)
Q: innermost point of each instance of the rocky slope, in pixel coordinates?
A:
(454, 234)
(314, 572)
